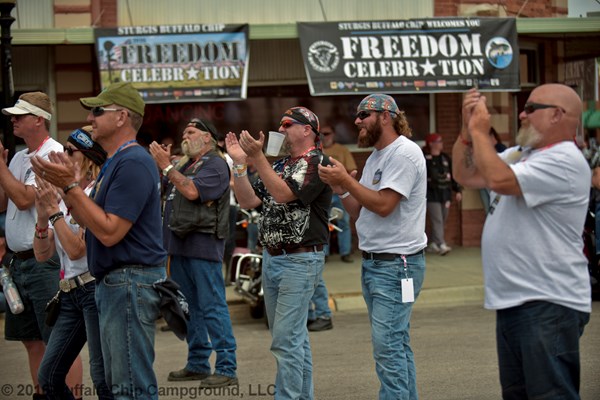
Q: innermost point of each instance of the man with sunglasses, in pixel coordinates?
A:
(195, 227)
(36, 281)
(388, 204)
(535, 272)
(123, 237)
(293, 231)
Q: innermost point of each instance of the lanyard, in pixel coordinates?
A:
(40, 146)
(105, 166)
(297, 158)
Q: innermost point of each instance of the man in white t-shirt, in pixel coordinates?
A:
(389, 205)
(535, 271)
(36, 281)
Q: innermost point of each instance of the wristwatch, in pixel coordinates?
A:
(167, 169)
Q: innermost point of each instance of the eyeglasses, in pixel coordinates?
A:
(98, 111)
(70, 150)
(288, 123)
(363, 114)
(533, 107)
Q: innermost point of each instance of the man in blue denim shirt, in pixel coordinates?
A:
(123, 237)
(292, 231)
(389, 204)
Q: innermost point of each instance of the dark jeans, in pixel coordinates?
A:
(538, 351)
(76, 324)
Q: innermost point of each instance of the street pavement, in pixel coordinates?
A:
(452, 337)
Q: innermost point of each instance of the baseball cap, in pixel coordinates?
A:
(121, 93)
(81, 138)
(36, 103)
(433, 137)
(378, 102)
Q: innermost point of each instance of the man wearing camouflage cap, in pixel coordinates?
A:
(389, 205)
(123, 237)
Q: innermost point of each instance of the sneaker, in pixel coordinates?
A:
(186, 375)
(444, 249)
(216, 381)
(320, 324)
(347, 258)
(433, 248)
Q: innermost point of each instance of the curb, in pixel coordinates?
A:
(452, 296)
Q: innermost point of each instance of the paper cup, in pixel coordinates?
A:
(274, 143)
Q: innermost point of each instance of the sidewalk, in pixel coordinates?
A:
(453, 279)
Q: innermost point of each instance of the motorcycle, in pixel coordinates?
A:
(246, 273)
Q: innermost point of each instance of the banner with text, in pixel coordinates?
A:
(176, 63)
(420, 55)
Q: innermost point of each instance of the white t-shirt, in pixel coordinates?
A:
(400, 166)
(71, 268)
(532, 247)
(20, 225)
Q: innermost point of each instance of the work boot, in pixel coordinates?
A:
(320, 324)
(445, 249)
(347, 258)
(216, 381)
(186, 375)
(433, 248)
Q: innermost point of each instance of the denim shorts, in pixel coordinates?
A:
(37, 283)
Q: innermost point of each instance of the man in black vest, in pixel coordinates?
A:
(195, 227)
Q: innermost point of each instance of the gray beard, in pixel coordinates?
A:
(528, 137)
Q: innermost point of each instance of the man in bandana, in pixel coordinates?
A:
(389, 207)
(292, 232)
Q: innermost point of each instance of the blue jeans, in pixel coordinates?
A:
(127, 310)
(344, 237)
(209, 327)
(320, 300)
(538, 351)
(289, 281)
(390, 323)
(77, 322)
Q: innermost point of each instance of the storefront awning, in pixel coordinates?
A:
(591, 119)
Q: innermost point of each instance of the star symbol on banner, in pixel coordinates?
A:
(192, 73)
(428, 68)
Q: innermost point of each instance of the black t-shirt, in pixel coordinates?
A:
(304, 221)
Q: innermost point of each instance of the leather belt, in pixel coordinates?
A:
(277, 251)
(66, 285)
(24, 255)
(386, 256)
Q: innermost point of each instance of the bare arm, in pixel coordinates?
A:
(108, 228)
(241, 185)
(162, 157)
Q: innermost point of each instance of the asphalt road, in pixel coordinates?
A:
(454, 349)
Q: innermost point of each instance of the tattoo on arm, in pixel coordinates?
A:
(469, 162)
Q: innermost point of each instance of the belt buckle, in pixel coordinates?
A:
(64, 285)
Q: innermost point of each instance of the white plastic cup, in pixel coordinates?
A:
(274, 143)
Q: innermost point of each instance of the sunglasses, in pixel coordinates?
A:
(363, 114)
(533, 107)
(98, 111)
(326, 133)
(288, 124)
(70, 150)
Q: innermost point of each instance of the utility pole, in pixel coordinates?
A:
(8, 89)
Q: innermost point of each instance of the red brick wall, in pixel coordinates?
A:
(533, 8)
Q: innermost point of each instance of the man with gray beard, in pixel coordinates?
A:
(195, 225)
(535, 271)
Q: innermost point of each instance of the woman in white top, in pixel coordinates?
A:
(57, 231)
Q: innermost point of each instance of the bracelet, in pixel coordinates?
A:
(39, 236)
(240, 170)
(344, 195)
(40, 230)
(69, 187)
(55, 217)
(467, 143)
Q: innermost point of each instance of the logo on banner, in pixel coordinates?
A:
(323, 56)
(499, 52)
